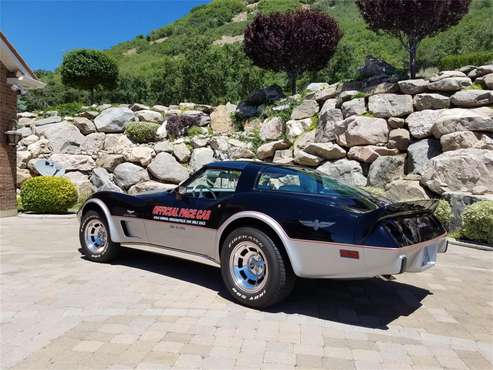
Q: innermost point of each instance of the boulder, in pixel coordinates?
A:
(23, 157)
(181, 152)
(420, 153)
(386, 169)
(284, 156)
(459, 140)
(150, 186)
(368, 153)
(160, 108)
(390, 105)
(405, 190)
(137, 107)
(295, 128)
(165, 168)
(447, 74)
(484, 70)
(149, 116)
(64, 137)
(302, 141)
(23, 175)
(89, 114)
(163, 146)
(24, 121)
(431, 101)
(321, 91)
(488, 81)
(199, 141)
(219, 143)
(117, 144)
(93, 143)
(460, 170)
(102, 107)
(472, 98)
(103, 181)
(413, 87)
(266, 95)
(47, 121)
(450, 84)
(109, 161)
(114, 119)
(346, 96)
(28, 140)
(40, 147)
(304, 159)
(140, 154)
(200, 118)
(353, 107)
(24, 131)
(239, 150)
(344, 170)
(128, 174)
(396, 122)
(327, 151)
(399, 139)
(74, 162)
(272, 129)
(329, 117)
(85, 125)
(201, 157)
(360, 130)
(306, 109)
(458, 119)
(221, 121)
(421, 123)
(268, 150)
(82, 182)
(458, 202)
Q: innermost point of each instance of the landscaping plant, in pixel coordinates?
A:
(48, 194)
(142, 132)
(477, 221)
(444, 212)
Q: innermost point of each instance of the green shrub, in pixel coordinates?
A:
(460, 60)
(477, 221)
(443, 212)
(142, 132)
(48, 194)
(66, 109)
(194, 131)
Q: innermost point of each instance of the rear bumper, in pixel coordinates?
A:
(331, 260)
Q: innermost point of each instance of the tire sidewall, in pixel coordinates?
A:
(98, 257)
(269, 290)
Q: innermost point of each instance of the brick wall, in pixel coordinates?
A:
(8, 103)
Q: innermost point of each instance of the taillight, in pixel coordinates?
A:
(345, 253)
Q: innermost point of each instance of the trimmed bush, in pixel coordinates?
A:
(460, 60)
(142, 132)
(177, 125)
(444, 212)
(48, 194)
(477, 221)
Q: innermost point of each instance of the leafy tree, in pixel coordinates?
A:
(88, 69)
(411, 21)
(292, 42)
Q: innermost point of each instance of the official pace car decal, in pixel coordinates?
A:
(189, 216)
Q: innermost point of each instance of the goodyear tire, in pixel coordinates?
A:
(95, 238)
(254, 270)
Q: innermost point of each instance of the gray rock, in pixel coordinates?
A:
(240, 150)
(114, 119)
(85, 125)
(458, 119)
(420, 153)
(321, 91)
(327, 151)
(201, 157)
(128, 174)
(147, 115)
(74, 162)
(306, 109)
(23, 158)
(103, 181)
(102, 107)
(302, 141)
(181, 152)
(460, 140)
(47, 121)
(268, 150)
(368, 153)
(413, 87)
(82, 182)
(450, 84)
(431, 101)
(421, 123)
(22, 176)
(346, 96)
(221, 121)
(484, 70)
(360, 130)
(219, 143)
(140, 154)
(45, 167)
(64, 137)
(458, 202)
(295, 128)
(353, 107)
(284, 156)
(40, 148)
(488, 81)
(329, 118)
(304, 159)
(447, 74)
(399, 139)
(163, 146)
(199, 117)
(28, 140)
(150, 187)
(272, 129)
(137, 107)
(459, 170)
(165, 168)
(109, 161)
(405, 190)
(199, 141)
(386, 169)
(117, 144)
(396, 122)
(346, 171)
(390, 105)
(24, 131)
(472, 98)
(93, 143)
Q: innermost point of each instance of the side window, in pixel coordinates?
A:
(279, 179)
(213, 184)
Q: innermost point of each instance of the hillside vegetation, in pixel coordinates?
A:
(181, 61)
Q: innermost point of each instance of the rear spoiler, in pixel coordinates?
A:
(403, 209)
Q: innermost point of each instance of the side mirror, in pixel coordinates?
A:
(181, 191)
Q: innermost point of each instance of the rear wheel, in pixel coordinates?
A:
(254, 270)
(95, 238)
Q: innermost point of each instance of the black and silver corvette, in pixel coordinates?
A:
(265, 224)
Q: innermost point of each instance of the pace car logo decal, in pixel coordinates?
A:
(316, 225)
(189, 216)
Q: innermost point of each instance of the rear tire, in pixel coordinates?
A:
(254, 270)
(95, 238)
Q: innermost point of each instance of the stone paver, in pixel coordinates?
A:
(144, 311)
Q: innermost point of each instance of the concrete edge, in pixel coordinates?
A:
(482, 247)
(48, 216)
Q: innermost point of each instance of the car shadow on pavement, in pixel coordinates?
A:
(371, 303)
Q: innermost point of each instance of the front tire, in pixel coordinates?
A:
(254, 270)
(95, 238)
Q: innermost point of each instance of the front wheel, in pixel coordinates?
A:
(254, 270)
(95, 238)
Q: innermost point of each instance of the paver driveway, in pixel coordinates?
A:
(149, 311)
